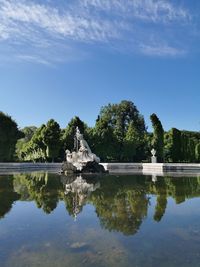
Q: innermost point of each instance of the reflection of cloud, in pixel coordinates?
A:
(68, 27)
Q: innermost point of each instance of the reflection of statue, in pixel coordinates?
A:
(80, 191)
(82, 157)
(154, 178)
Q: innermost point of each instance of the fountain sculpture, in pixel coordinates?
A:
(81, 160)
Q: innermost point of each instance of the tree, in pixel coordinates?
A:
(51, 135)
(9, 134)
(197, 152)
(158, 136)
(192, 157)
(35, 149)
(21, 143)
(173, 145)
(105, 143)
(185, 153)
(114, 120)
(133, 143)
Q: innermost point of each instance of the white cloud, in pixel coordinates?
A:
(160, 50)
(53, 21)
(3, 33)
(33, 59)
(150, 10)
(40, 29)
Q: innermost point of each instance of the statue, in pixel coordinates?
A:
(82, 159)
(153, 152)
(84, 151)
(153, 158)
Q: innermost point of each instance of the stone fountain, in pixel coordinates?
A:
(81, 160)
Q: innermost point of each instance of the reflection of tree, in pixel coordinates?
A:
(43, 188)
(179, 188)
(182, 188)
(121, 203)
(121, 207)
(161, 191)
(124, 213)
(7, 195)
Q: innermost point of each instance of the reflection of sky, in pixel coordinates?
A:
(33, 232)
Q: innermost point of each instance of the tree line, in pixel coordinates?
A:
(119, 135)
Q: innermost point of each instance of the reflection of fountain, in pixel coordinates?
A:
(82, 159)
(80, 190)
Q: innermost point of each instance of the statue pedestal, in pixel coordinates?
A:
(153, 159)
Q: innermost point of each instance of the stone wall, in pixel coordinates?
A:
(145, 168)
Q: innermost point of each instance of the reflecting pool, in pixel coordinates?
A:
(52, 220)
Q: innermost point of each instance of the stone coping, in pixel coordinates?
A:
(29, 165)
(145, 168)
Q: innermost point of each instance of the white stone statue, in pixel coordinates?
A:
(153, 152)
(83, 154)
(153, 158)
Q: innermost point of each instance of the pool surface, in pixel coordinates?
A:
(50, 220)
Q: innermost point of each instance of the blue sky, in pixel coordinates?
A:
(64, 58)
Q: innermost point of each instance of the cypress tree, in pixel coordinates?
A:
(158, 137)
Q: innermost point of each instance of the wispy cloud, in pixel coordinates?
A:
(149, 10)
(161, 50)
(26, 25)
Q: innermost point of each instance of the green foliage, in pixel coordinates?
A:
(35, 149)
(112, 128)
(133, 143)
(21, 143)
(105, 143)
(43, 188)
(9, 134)
(185, 153)
(158, 137)
(197, 152)
(51, 135)
(7, 195)
(173, 145)
(119, 135)
(192, 150)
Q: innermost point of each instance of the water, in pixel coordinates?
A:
(51, 220)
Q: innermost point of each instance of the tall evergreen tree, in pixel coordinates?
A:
(158, 137)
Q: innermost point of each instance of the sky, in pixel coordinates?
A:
(63, 58)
